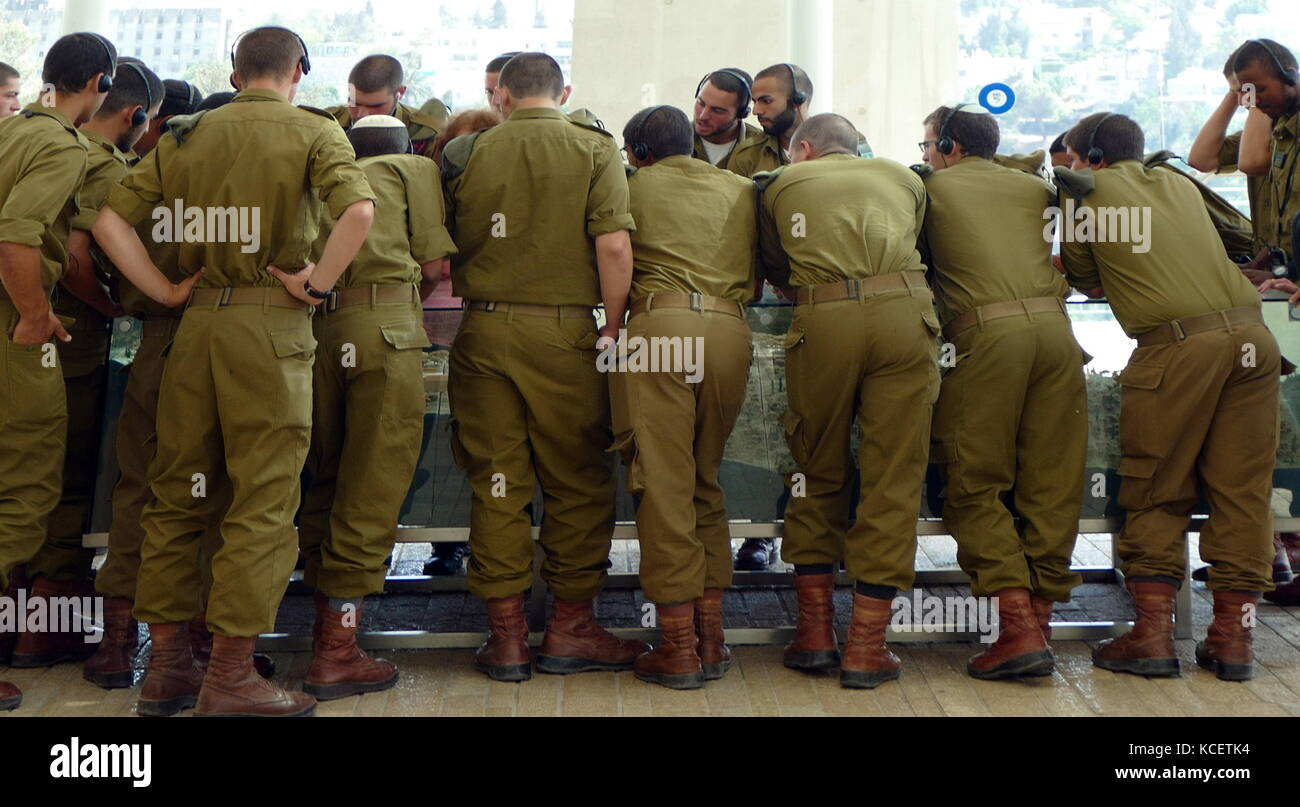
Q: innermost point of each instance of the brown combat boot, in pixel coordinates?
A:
(575, 642)
(1291, 540)
(868, 661)
(201, 644)
(232, 687)
(338, 667)
(1148, 649)
(1227, 650)
(50, 647)
(1020, 649)
(504, 656)
(8, 638)
(675, 662)
(715, 656)
(1043, 613)
(11, 697)
(113, 665)
(1282, 571)
(814, 646)
(173, 680)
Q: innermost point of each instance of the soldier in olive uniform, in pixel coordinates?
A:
(368, 411)
(1204, 358)
(693, 271)
(782, 94)
(62, 567)
(377, 85)
(539, 212)
(1270, 142)
(1012, 416)
(10, 85)
(240, 367)
(722, 102)
(42, 166)
(844, 230)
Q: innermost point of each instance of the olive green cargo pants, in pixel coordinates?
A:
(529, 406)
(1012, 418)
(33, 428)
(367, 420)
(85, 376)
(1201, 415)
(874, 357)
(236, 391)
(672, 434)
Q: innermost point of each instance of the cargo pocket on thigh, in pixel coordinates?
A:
(1136, 475)
(625, 446)
(794, 437)
(459, 455)
(403, 399)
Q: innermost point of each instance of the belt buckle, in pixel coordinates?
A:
(331, 303)
(697, 302)
(489, 305)
(854, 287)
(226, 293)
(1179, 331)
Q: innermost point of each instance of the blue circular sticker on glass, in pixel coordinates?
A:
(997, 98)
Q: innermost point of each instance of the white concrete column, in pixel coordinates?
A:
(86, 15)
(812, 47)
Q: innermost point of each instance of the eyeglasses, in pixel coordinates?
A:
(925, 145)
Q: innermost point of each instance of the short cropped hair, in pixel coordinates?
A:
(1058, 145)
(727, 81)
(829, 134)
(664, 130)
(376, 140)
(179, 98)
(499, 62)
(267, 52)
(215, 101)
(131, 89)
(782, 71)
(531, 75)
(75, 59)
(977, 132)
(7, 73)
(1119, 137)
(377, 73)
(1265, 52)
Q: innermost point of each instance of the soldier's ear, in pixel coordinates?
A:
(401, 91)
(564, 97)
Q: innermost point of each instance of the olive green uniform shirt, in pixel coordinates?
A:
(1258, 191)
(746, 131)
(525, 205)
(260, 152)
(105, 167)
(757, 153)
(696, 230)
(1283, 182)
(422, 128)
(984, 234)
(409, 227)
(839, 217)
(1184, 274)
(42, 166)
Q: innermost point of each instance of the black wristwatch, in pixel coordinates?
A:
(314, 293)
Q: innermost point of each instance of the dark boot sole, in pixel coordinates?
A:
(166, 708)
(310, 711)
(332, 692)
(27, 660)
(564, 665)
(1034, 665)
(9, 704)
(117, 680)
(1149, 667)
(1224, 670)
(714, 672)
(680, 681)
(510, 673)
(859, 679)
(813, 660)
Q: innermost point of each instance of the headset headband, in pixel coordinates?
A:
(1289, 76)
(106, 81)
(745, 82)
(148, 93)
(304, 60)
(639, 146)
(1094, 154)
(797, 96)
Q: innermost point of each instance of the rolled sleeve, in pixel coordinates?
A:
(608, 199)
(426, 219)
(335, 175)
(100, 179)
(1229, 153)
(140, 191)
(41, 194)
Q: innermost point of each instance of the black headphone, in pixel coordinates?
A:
(105, 78)
(1289, 77)
(141, 116)
(189, 101)
(640, 149)
(797, 97)
(1096, 153)
(743, 111)
(945, 146)
(303, 60)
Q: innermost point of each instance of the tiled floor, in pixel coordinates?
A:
(934, 682)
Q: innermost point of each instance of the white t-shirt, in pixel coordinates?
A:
(717, 152)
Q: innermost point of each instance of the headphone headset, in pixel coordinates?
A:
(105, 78)
(303, 60)
(1289, 77)
(797, 97)
(189, 101)
(640, 149)
(141, 116)
(945, 146)
(743, 111)
(1096, 153)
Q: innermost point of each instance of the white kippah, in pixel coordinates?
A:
(379, 121)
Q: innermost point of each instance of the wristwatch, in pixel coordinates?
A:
(315, 293)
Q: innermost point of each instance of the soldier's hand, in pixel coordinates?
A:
(296, 282)
(1280, 284)
(39, 330)
(610, 331)
(1257, 276)
(179, 294)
